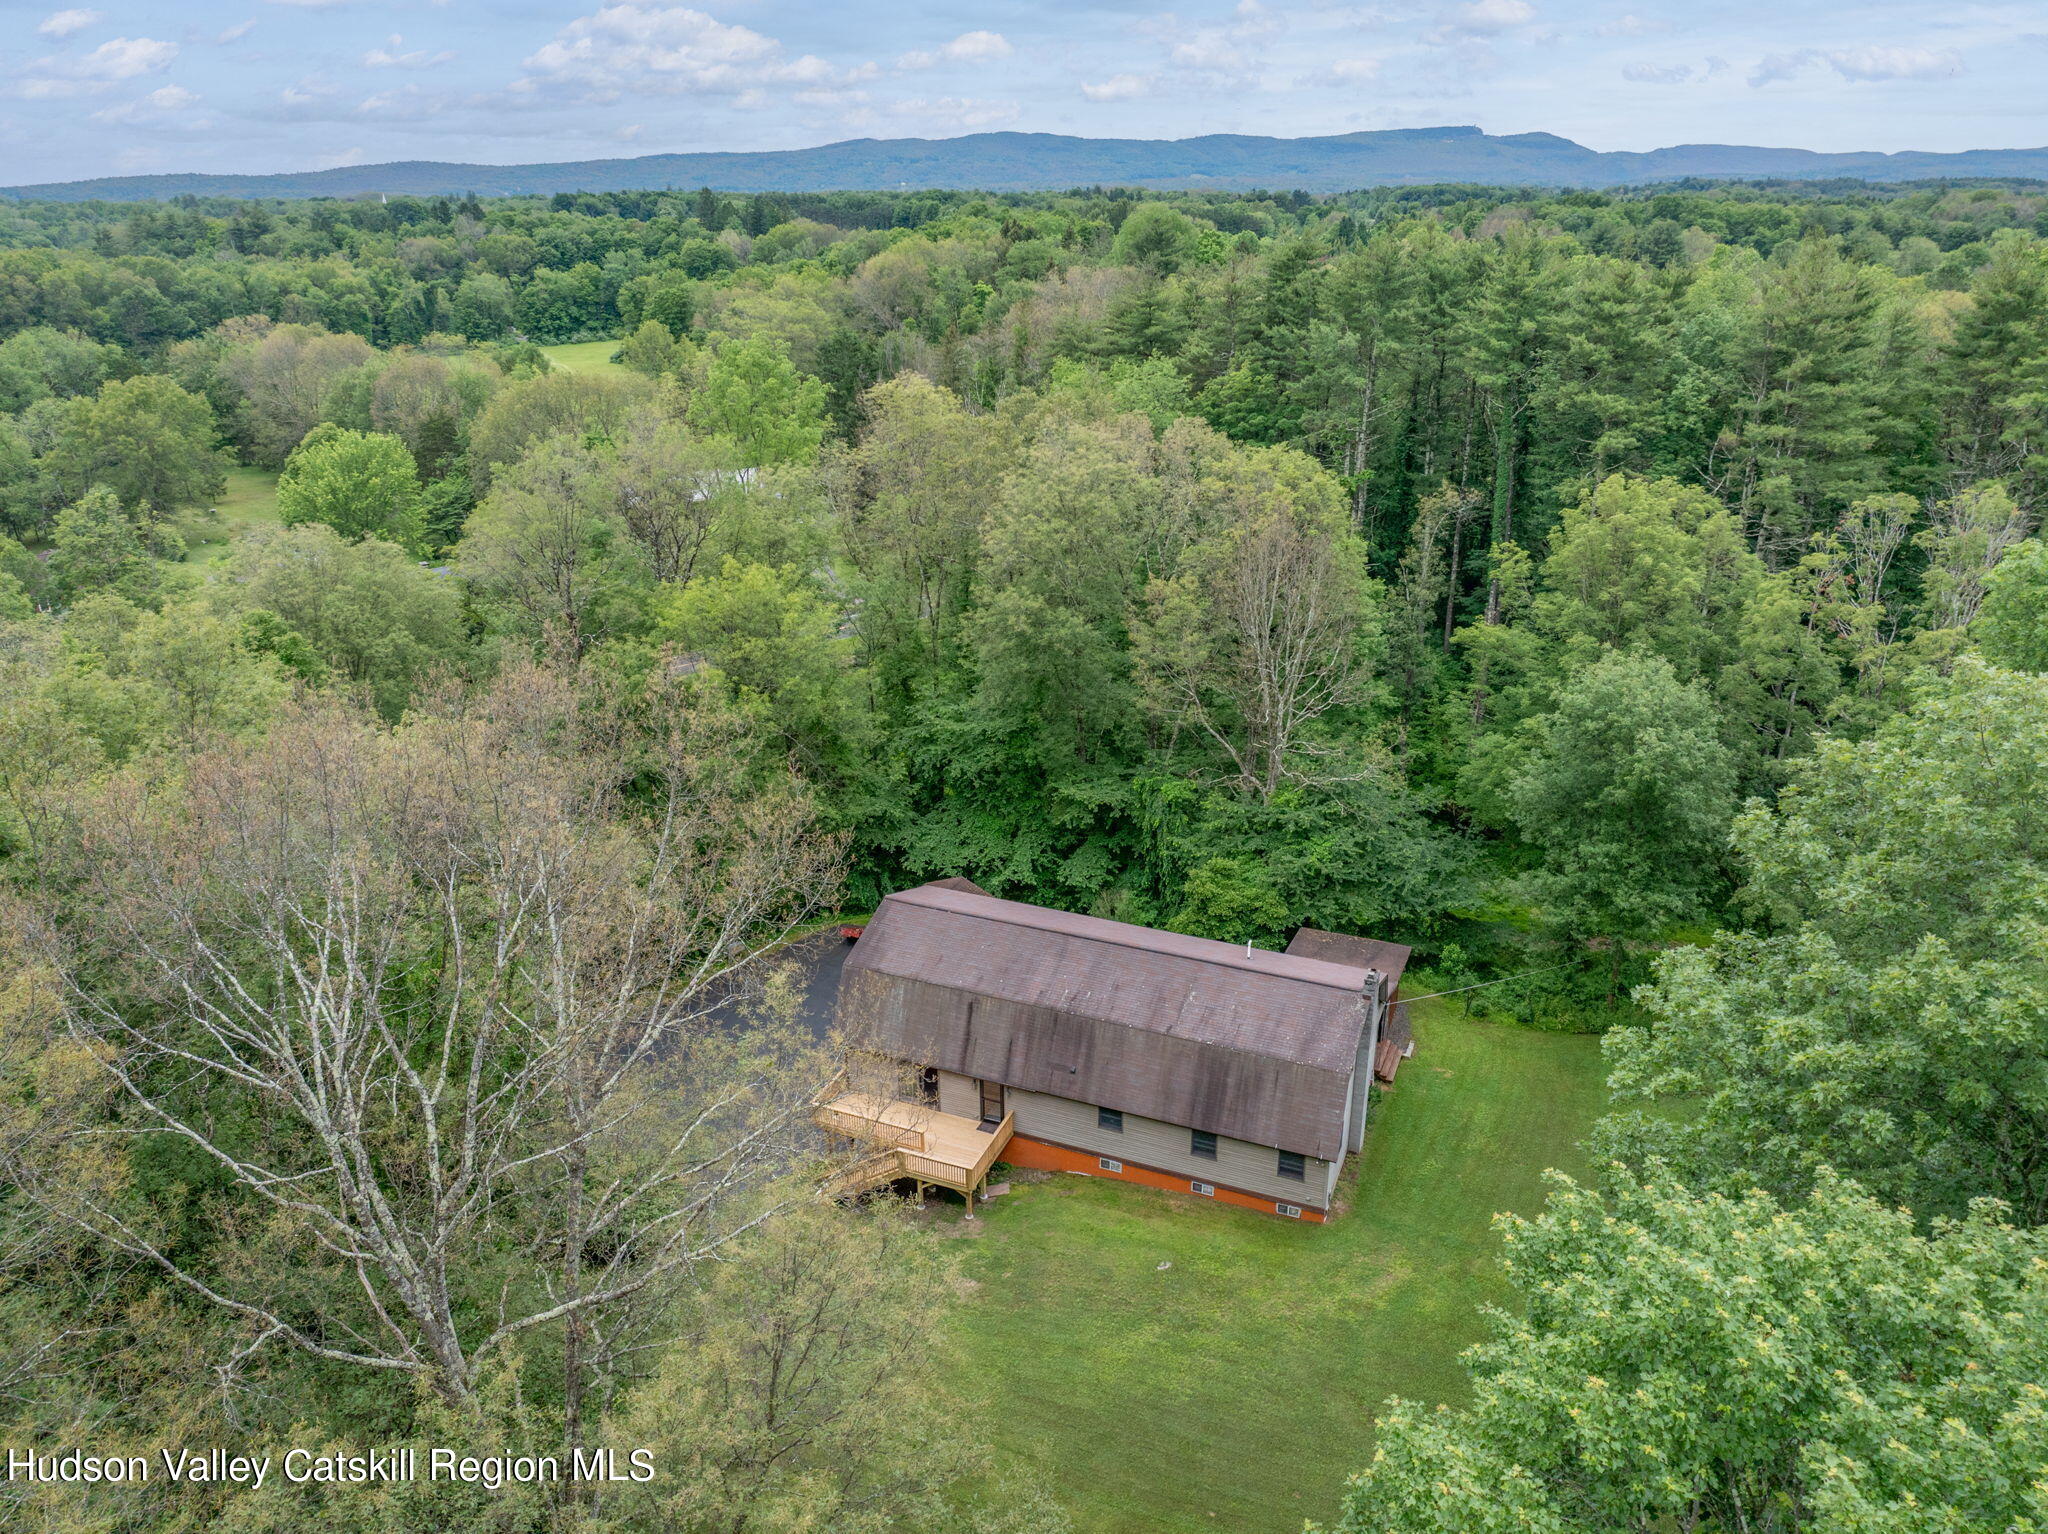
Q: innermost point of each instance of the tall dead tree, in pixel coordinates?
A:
(439, 1006)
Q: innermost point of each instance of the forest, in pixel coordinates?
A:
(1633, 600)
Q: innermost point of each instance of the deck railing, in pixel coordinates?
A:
(861, 1126)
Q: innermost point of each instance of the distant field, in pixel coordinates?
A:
(582, 356)
(250, 498)
(1234, 1389)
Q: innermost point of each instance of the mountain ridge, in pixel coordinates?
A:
(1017, 161)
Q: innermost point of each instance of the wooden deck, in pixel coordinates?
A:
(913, 1142)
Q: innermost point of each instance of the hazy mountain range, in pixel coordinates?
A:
(1039, 161)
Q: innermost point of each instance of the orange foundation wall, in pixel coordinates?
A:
(1043, 1156)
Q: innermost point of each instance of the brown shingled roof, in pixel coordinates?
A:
(1292, 1008)
(1390, 959)
(1259, 1047)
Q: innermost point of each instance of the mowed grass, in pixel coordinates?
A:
(582, 356)
(250, 499)
(1234, 1389)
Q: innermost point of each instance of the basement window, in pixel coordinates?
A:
(1292, 1166)
(1108, 1165)
(1202, 1143)
(1110, 1118)
(1292, 1211)
(1206, 1189)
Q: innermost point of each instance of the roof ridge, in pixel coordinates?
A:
(962, 903)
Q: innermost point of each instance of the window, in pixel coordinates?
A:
(1292, 1211)
(1206, 1189)
(1202, 1143)
(1108, 1165)
(1293, 1167)
(1110, 1119)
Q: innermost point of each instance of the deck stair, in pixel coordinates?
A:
(911, 1142)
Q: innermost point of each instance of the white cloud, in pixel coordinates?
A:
(406, 104)
(390, 56)
(1234, 50)
(978, 47)
(64, 23)
(956, 111)
(1484, 18)
(1346, 72)
(632, 46)
(117, 59)
(240, 29)
(1896, 63)
(1119, 88)
(337, 161)
(1861, 65)
(159, 103)
(1658, 74)
(1210, 48)
(967, 48)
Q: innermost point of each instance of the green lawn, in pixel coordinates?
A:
(1234, 1389)
(582, 356)
(250, 498)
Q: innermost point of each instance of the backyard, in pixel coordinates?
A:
(1164, 1365)
(250, 498)
(582, 356)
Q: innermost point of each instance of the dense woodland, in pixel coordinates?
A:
(1635, 601)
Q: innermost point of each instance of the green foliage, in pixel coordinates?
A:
(44, 363)
(1889, 1021)
(753, 396)
(1247, 403)
(134, 679)
(1730, 1363)
(775, 640)
(1156, 237)
(806, 1389)
(361, 484)
(1680, 494)
(364, 612)
(264, 633)
(2012, 625)
(1235, 900)
(482, 307)
(588, 406)
(1628, 792)
(97, 548)
(145, 439)
(1650, 565)
(546, 557)
(652, 349)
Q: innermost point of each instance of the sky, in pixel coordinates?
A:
(120, 87)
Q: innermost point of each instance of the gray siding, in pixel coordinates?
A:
(1164, 1147)
(1361, 1081)
(959, 1095)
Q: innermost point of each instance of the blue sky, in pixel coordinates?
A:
(123, 86)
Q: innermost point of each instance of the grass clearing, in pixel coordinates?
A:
(249, 500)
(582, 356)
(1234, 1389)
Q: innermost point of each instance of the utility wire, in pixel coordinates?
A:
(1502, 980)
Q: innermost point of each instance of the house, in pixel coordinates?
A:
(1389, 960)
(1095, 1046)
